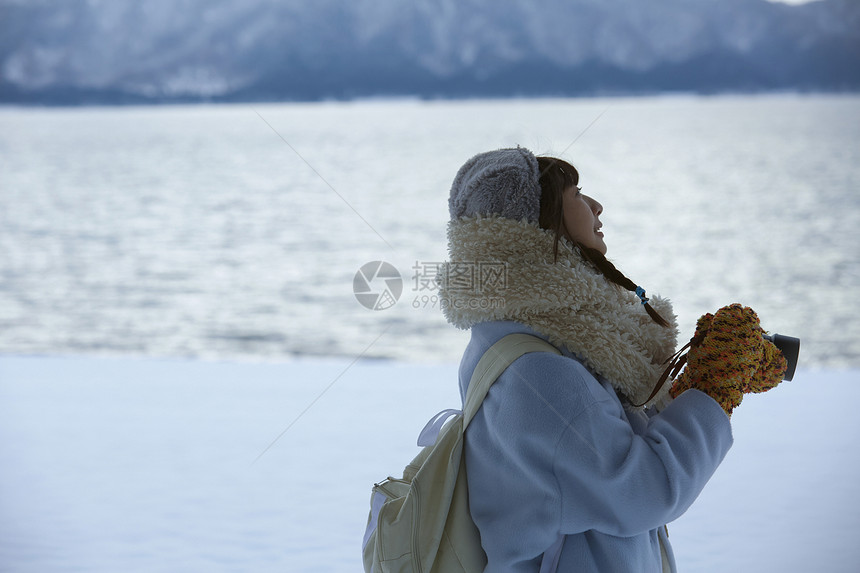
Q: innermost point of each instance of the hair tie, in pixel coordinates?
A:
(640, 292)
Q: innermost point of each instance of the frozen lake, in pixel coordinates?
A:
(117, 464)
(176, 291)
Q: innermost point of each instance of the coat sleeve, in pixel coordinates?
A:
(620, 482)
(551, 451)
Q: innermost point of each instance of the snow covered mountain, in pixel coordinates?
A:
(68, 51)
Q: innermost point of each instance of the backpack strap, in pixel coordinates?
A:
(494, 361)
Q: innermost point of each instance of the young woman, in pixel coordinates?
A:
(577, 461)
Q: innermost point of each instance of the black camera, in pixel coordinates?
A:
(790, 349)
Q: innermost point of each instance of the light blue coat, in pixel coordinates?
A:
(552, 453)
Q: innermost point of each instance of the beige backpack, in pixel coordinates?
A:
(421, 523)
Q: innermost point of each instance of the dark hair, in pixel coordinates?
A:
(557, 175)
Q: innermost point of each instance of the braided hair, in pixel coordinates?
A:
(557, 175)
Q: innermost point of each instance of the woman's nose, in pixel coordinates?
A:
(596, 207)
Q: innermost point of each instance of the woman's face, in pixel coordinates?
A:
(580, 219)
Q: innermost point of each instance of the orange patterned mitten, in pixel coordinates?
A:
(728, 357)
(770, 371)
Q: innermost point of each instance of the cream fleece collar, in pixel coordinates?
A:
(502, 269)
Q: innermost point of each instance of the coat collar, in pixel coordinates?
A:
(501, 269)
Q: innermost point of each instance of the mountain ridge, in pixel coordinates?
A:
(119, 51)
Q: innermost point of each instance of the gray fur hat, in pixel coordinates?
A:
(502, 182)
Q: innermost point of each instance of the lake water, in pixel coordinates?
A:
(236, 231)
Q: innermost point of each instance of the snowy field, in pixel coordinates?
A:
(117, 464)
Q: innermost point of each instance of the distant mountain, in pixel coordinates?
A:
(114, 51)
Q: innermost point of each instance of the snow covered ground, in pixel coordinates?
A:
(119, 464)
